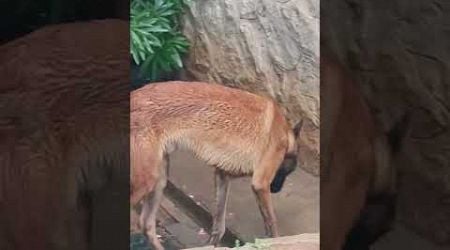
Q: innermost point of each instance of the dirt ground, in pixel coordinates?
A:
(296, 206)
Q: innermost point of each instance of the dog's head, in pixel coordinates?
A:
(289, 162)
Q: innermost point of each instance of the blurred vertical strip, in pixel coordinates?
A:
(64, 124)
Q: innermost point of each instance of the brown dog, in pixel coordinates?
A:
(356, 156)
(236, 132)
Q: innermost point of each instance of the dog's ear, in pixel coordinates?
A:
(399, 132)
(298, 128)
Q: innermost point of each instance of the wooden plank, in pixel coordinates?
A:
(185, 229)
(200, 215)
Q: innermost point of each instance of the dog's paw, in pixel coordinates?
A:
(214, 239)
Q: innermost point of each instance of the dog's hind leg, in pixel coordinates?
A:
(222, 188)
(151, 205)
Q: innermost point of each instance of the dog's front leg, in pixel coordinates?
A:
(221, 182)
(265, 205)
(262, 177)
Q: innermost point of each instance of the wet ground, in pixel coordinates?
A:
(139, 242)
(297, 206)
(170, 241)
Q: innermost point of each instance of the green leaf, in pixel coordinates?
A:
(135, 57)
(168, 13)
(154, 70)
(137, 40)
(152, 28)
(142, 55)
(176, 58)
(158, 3)
(155, 40)
(156, 44)
(164, 64)
(149, 47)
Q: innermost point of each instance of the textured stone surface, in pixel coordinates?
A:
(402, 51)
(268, 47)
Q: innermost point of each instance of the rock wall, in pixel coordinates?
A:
(267, 47)
(399, 52)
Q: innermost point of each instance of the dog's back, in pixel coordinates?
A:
(227, 128)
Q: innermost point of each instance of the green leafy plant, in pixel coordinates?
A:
(237, 244)
(258, 244)
(156, 43)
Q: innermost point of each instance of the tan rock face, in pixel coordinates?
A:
(267, 47)
(401, 48)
